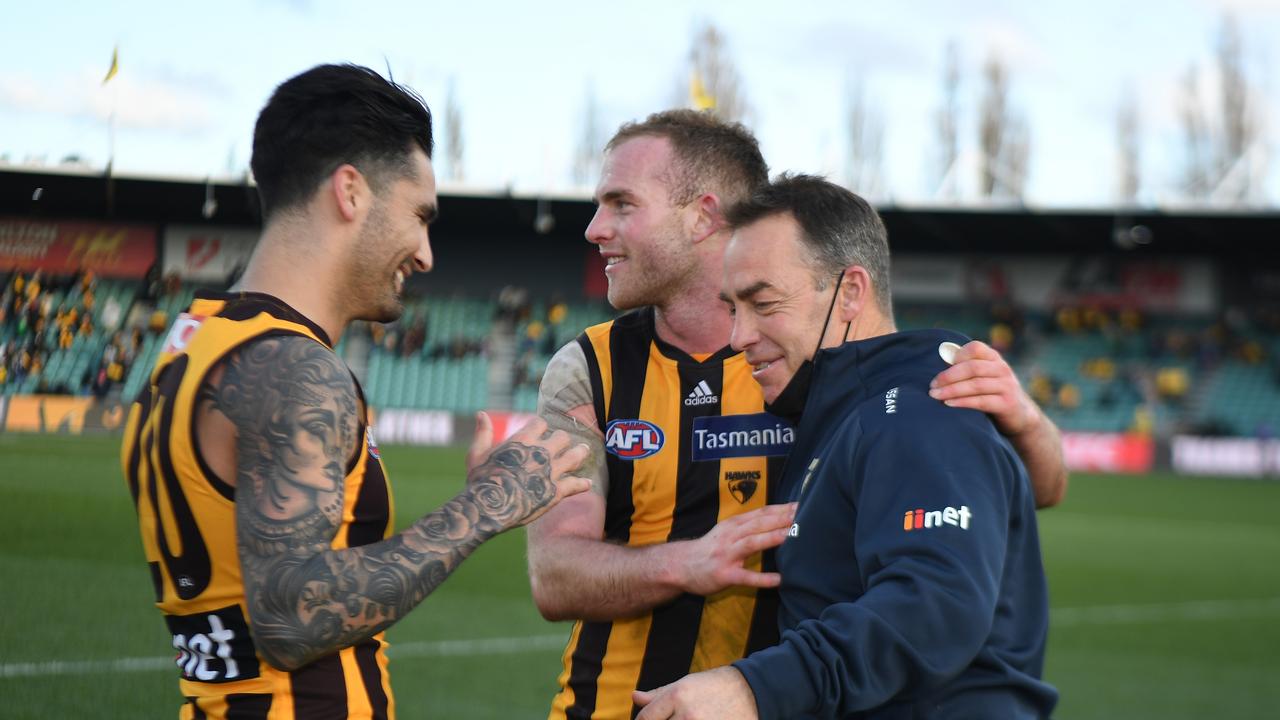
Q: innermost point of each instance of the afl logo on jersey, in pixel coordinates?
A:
(633, 439)
(373, 444)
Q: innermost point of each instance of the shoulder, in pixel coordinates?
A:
(908, 415)
(279, 371)
(567, 371)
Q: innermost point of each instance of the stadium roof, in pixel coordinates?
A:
(65, 193)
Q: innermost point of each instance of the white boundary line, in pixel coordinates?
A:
(1059, 617)
(438, 648)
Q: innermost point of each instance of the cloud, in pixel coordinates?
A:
(842, 43)
(141, 101)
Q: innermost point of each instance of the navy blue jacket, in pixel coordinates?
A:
(911, 582)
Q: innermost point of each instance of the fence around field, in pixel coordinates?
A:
(1122, 453)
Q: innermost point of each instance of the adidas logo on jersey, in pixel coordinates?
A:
(701, 395)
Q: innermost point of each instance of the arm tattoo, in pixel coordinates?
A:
(295, 409)
(566, 403)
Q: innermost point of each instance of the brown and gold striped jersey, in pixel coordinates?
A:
(187, 519)
(688, 444)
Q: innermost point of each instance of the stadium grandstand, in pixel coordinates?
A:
(1147, 325)
(1152, 338)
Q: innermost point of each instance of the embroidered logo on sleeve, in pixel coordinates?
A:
(921, 519)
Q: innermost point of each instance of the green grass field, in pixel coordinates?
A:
(1166, 599)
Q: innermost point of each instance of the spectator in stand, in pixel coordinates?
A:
(1068, 320)
(1068, 397)
(414, 338)
(1002, 340)
(1172, 384)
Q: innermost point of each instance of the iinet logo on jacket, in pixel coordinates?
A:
(923, 519)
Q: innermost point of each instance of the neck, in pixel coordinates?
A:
(694, 318)
(282, 266)
(868, 324)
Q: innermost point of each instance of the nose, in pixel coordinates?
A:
(597, 230)
(743, 333)
(422, 259)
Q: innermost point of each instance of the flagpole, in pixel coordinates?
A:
(111, 130)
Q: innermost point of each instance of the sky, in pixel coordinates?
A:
(192, 77)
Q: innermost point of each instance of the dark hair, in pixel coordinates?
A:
(837, 227)
(328, 116)
(712, 155)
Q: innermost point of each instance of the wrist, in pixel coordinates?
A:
(673, 565)
(1032, 419)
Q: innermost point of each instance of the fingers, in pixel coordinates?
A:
(969, 369)
(482, 443)
(570, 459)
(754, 543)
(566, 487)
(769, 517)
(976, 350)
(657, 704)
(571, 485)
(975, 387)
(753, 578)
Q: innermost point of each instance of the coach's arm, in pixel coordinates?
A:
(292, 408)
(576, 574)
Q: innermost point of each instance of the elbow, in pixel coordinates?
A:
(1053, 496)
(280, 654)
(549, 605)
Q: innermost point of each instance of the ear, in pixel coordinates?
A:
(856, 294)
(708, 216)
(350, 192)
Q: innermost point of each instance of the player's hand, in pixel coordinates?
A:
(481, 442)
(715, 561)
(981, 379)
(719, 693)
(528, 474)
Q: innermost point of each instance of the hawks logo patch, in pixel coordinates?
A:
(742, 484)
(633, 439)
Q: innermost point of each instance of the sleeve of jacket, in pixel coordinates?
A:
(930, 592)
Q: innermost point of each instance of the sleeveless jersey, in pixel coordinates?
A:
(187, 519)
(687, 446)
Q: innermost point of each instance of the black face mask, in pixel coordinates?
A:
(789, 404)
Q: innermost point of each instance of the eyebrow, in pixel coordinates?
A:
(749, 290)
(612, 195)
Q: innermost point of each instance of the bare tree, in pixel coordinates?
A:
(586, 160)
(1240, 131)
(1003, 137)
(949, 123)
(1220, 145)
(1195, 133)
(453, 135)
(712, 82)
(864, 127)
(1128, 150)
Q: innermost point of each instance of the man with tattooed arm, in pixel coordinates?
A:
(263, 506)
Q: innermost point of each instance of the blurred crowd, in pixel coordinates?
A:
(46, 316)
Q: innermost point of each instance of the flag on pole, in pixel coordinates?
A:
(115, 65)
(698, 95)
